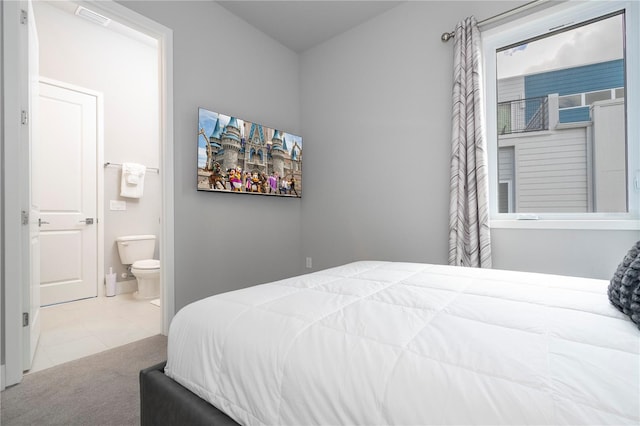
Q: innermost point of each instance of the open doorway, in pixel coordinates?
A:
(98, 109)
(19, 325)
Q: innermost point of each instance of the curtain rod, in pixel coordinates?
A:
(448, 36)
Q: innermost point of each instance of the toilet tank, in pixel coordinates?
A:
(135, 247)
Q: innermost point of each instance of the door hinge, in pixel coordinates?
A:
(23, 17)
(25, 319)
(24, 217)
(24, 117)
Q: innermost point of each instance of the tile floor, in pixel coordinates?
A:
(85, 327)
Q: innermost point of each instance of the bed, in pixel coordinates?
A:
(376, 342)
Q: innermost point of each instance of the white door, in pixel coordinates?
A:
(65, 172)
(31, 290)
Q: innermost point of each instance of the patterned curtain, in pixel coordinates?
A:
(469, 238)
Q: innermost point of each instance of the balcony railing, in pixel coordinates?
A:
(524, 115)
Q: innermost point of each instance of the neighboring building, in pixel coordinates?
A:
(578, 88)
(561, 139)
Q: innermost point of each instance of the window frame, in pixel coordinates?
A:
(587, 102)
(583, 97)
(579, 95)
(544, 22)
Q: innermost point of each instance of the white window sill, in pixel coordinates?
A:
(595, 224)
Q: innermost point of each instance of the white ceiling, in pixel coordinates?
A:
(296, 24)
(302, 24)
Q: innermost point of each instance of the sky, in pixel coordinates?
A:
(596, 42)
(207, 121)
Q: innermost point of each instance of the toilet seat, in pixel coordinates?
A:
(146, 264)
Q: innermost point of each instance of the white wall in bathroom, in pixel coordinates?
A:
(125, 70)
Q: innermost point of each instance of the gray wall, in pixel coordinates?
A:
(580, 253)
(227, 241)
(376, 105)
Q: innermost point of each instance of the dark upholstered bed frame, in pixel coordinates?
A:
(165, 402)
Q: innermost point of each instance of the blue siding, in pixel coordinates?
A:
(587, 78)
(574, 114)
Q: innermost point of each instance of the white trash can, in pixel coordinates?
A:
(110, 282)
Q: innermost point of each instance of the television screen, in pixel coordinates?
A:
(239, 156)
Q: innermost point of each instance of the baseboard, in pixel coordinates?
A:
(128, 286)
(2, 384)
(123, 287)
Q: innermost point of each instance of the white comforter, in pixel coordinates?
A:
(404, 343)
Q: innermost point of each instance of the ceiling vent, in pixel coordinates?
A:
(92, 16)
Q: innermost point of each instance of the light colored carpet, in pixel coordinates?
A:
(101, 389)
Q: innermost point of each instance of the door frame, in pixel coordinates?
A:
(100, 290)
(14, 275)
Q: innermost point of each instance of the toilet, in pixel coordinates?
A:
(137, 251)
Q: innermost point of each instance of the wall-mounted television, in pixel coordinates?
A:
(239, 156)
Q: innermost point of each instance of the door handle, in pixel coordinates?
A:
(42, 222)
(88, 221)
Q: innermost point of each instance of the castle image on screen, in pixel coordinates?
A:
(236, 155)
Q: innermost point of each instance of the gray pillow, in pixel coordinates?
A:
(624, 287)
(634, 308)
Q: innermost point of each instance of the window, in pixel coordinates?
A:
(576, 155)
(504, 197)
(569, 101)
(587, 99)
(504, 117)
(602, 95)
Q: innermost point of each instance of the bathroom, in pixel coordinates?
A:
(116, 68)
